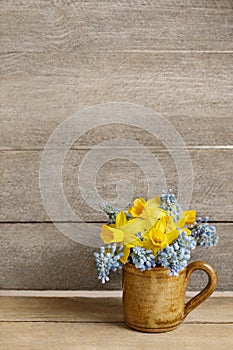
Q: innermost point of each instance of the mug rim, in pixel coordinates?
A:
(129, 267)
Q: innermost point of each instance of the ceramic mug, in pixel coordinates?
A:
(154, 301)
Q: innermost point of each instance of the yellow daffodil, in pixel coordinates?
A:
(138, 207)
(144, 209)
(164, 232)
(123, 232)
(146, 212)
(111, 235)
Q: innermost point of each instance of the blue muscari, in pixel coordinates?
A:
(107, 260)
(169, 203)
(142, 258)
(176, 255)
(204, 234)
(110, 211)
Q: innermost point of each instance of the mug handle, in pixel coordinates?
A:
(207, 291)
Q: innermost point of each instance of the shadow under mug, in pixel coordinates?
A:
(154, 301)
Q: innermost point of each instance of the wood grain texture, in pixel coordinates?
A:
(57, 336)
(98, 310)
(97, 323)
(58, 57)
(21, 198)
(40, 90)
(38, 256)
(115, 25)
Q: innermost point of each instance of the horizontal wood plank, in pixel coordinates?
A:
(21, 198)
(115, 25)
(39, 91)
(60, 336)
(39, 257)
(98, 310)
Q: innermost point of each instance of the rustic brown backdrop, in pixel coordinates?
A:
(58, 57)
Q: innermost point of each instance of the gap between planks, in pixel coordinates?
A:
(134, 148)
(91, 294)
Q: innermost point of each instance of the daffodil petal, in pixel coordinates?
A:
(171, 225)
(111, 235)
(147, 244)
(191, 217)
(136, 242)
(121, 219)
(153, 202)
(187, 217)
(181, 221)
(133, 226)
(171, 236)
(126, 252)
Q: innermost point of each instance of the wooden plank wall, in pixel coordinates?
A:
(58, 57)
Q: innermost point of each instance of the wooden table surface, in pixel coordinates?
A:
(86, 322)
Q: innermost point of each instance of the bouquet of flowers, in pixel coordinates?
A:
(150, 234)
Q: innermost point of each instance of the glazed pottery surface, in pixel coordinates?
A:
(154, 301)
